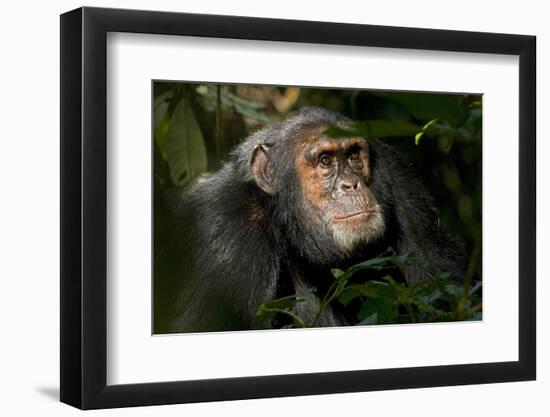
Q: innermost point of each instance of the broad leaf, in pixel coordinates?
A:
(185, 148)
(161, 106)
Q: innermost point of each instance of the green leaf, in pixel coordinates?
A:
(160, 122)
(337, 273)
(161, 106)
(185, 148)
(372, 319)
(285, 306)
(381, 262)
(424, 129)
(417, 137)
(290, 301)
(161, 136)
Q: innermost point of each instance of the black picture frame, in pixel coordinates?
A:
(84, 207)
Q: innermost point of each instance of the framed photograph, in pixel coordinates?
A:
(257, 208)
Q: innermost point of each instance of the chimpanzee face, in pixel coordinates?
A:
(333, 201)
(334, 178)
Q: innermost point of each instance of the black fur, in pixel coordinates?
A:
(236, 246)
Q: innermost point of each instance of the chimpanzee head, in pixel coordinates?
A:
(319, 186)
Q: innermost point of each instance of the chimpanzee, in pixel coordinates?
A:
(290, 204)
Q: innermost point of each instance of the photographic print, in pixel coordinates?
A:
(331, 195)
(282, 207)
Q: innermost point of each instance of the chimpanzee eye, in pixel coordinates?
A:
(325, 159)
(354, 156)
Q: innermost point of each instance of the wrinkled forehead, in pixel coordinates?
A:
(335, 144)
(311, 140)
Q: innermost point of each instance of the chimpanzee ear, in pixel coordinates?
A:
(262, 168)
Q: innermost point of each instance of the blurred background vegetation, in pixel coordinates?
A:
(195, 126)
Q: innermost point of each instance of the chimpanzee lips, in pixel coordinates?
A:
(363, 214)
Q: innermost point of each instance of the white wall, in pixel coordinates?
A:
(29, 237)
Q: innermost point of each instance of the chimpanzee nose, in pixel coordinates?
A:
(349, 184)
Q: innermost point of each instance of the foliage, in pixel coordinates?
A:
(180, 148)
(286, 306)
(185, 147)
(197, 125)
(385, 301)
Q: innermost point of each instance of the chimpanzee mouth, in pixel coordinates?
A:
(363, 214)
